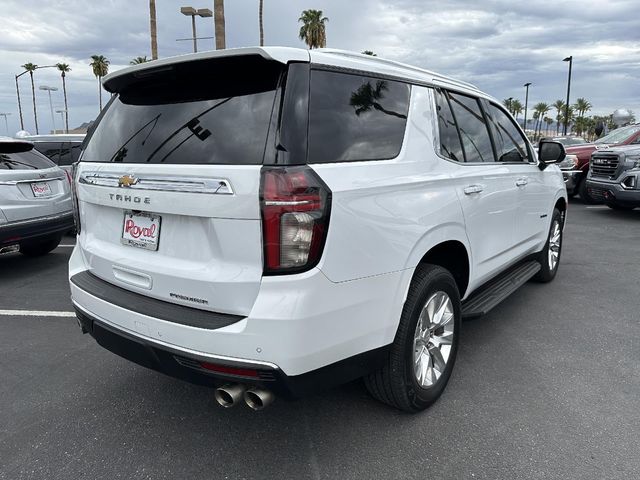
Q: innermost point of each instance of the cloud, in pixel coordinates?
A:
(498, 45)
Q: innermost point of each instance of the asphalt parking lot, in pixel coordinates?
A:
(546, 386)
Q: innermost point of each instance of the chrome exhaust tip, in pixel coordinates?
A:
(229, 395)
(257, 399)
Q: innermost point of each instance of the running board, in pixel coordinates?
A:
(497, 290)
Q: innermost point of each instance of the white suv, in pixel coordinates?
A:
(271, 221)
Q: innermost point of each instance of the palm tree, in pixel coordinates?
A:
(516, 108)
(559, 106)
(570, 117)
(261, 24)
(369, 52)
(507, 102)
(313, 30)
(153, 29)
(218, 18)
(138, 60)
(31, 67)
(542, 109)
(100, 67)
(582, 106)
(64, 69)
(548, 121)
(368, 96)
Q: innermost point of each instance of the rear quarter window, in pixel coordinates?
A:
(353, 117)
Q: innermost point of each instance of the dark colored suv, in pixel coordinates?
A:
(614, 177)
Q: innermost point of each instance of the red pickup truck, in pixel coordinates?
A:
(576, 165)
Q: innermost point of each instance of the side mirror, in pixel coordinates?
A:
(550, 152)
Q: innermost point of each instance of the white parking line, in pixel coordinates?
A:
(66, 246)
(599, 206)
(36, 313)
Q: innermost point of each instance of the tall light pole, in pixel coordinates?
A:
(192, 12)
(50, 89)
(6, 124)
(526, 105)
(62, 112)
(566, 107)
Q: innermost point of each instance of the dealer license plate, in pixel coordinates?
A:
(141, 229)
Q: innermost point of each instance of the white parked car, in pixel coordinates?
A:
(62, 149)
(35, 199)
(272, 221)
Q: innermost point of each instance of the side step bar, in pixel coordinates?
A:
(494, 292)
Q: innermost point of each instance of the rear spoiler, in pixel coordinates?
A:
(116, 81)
(14, 145)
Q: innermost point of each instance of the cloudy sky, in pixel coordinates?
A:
(496, 44)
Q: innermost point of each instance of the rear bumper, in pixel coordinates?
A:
(613, 193)
(213, 371)
(16, 232)
(299, 327)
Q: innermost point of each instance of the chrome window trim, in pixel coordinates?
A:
(164, 183)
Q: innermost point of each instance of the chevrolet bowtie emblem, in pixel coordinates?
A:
(127, 181)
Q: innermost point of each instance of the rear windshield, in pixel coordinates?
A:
(31, 160)
(206, 112)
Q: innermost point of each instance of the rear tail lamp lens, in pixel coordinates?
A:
(295, 205)
(74, 196)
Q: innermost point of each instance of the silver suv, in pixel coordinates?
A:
(35, 200)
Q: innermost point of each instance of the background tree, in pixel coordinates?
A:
(138, 60)
(260, 9)
(313, 31)
(153, 29)
(516, 108)
(218, 19)
(100, 67)
(569, 120)
(541, 108)
(559, 106)
(31, 67)
(507, 102)
(582, 106)
(369, 52)
(64, 69)
(548, 121)
(368, 96)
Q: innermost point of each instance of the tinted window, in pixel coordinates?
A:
(69, 153)
(450, 145)
(353, 117)
(207, 112)
(510, 144)
(50, 149)
(473, 129)
(31, 160)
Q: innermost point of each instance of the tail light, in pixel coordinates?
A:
(74, 196)
(295, 206)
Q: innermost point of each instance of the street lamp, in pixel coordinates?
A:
(192, 12)
(566, 107)
(62, 112)
(50, 89)
(6, 124)
(526, 105)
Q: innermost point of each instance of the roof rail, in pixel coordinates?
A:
(361, 56)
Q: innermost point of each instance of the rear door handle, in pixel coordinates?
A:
(521, 182)
(473, 189)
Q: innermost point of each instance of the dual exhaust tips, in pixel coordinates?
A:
(255, 398)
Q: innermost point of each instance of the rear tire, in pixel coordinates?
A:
(549, 257)
(424, 350)
(41, 246)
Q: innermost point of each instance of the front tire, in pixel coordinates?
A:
(41, 246)
(549, 257)
(426, 344)
(584, 193)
